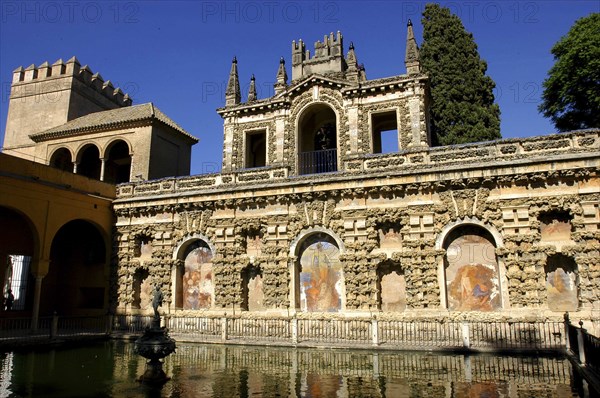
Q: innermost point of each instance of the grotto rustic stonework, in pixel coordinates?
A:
(508, 229)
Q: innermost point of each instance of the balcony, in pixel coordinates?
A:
(315, 162)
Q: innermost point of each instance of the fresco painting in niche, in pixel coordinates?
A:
(321, 279)
(255, 291)
(555, 229)
(393, 292)
(143, 249)
(389, 239)
(561, 284)
(146, 294)
(472, 274)
(253, 246)
(198, 286)
(562, 293)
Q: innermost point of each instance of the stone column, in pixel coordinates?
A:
(102, 168)
(39, 272)
(75, 167)
(36, 302)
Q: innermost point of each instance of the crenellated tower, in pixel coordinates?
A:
(47, 96)
(328, 58)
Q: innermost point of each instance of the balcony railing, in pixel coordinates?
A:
(314, 162)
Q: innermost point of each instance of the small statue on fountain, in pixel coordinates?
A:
(157, 300)
(155, 344)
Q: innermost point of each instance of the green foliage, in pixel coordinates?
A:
(571, 97)
(462, 108)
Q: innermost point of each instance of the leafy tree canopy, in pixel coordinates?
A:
(571, 97)
(462, 108)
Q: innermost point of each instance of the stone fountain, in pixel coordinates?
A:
(154, 345)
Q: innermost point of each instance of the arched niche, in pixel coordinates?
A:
(193, 277)
(471, 273)
(62, 159)
(141, 289)
(318, 272)
(252, 289)
(562, 283)
(88, 161)
(77, 271)
(317, 137)
(117, 167)
(391, 286)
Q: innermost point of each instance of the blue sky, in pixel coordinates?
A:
(177, 54)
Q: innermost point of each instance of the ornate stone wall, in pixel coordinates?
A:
(421, 205)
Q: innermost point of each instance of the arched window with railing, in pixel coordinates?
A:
(317, 140)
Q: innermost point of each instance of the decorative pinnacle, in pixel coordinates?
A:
(351, 59)
(252, 89)
(233, 93)
(281, 73)
(411, 60)
(281, 82)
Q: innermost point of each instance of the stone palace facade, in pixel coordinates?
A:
(308, 216)
(313, 215)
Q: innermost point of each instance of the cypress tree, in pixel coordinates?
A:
(462, 108)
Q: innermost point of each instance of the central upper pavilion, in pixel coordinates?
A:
(328, 115)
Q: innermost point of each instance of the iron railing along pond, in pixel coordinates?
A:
(314, 162)
(368, 332)
(54, 327)
(583, 346)
(328, 330)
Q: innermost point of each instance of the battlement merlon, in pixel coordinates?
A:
(72, 68)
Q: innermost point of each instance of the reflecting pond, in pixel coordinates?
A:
(109, 369)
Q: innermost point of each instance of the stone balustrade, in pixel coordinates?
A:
(526, 150)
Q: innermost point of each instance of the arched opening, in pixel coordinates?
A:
(76, 276)
(141, 289)
(16, 252)
(317, 140)
(252, 289)
(61, 159)
(117, 168)
(89, 162)
(194, 287)
(319, 274)
(143, 248)
(391, 285)
(561, 283)
(471, 270)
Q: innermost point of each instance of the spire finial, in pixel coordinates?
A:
(411, 60)
(232, 94)
(252, 89)
(281, 83)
